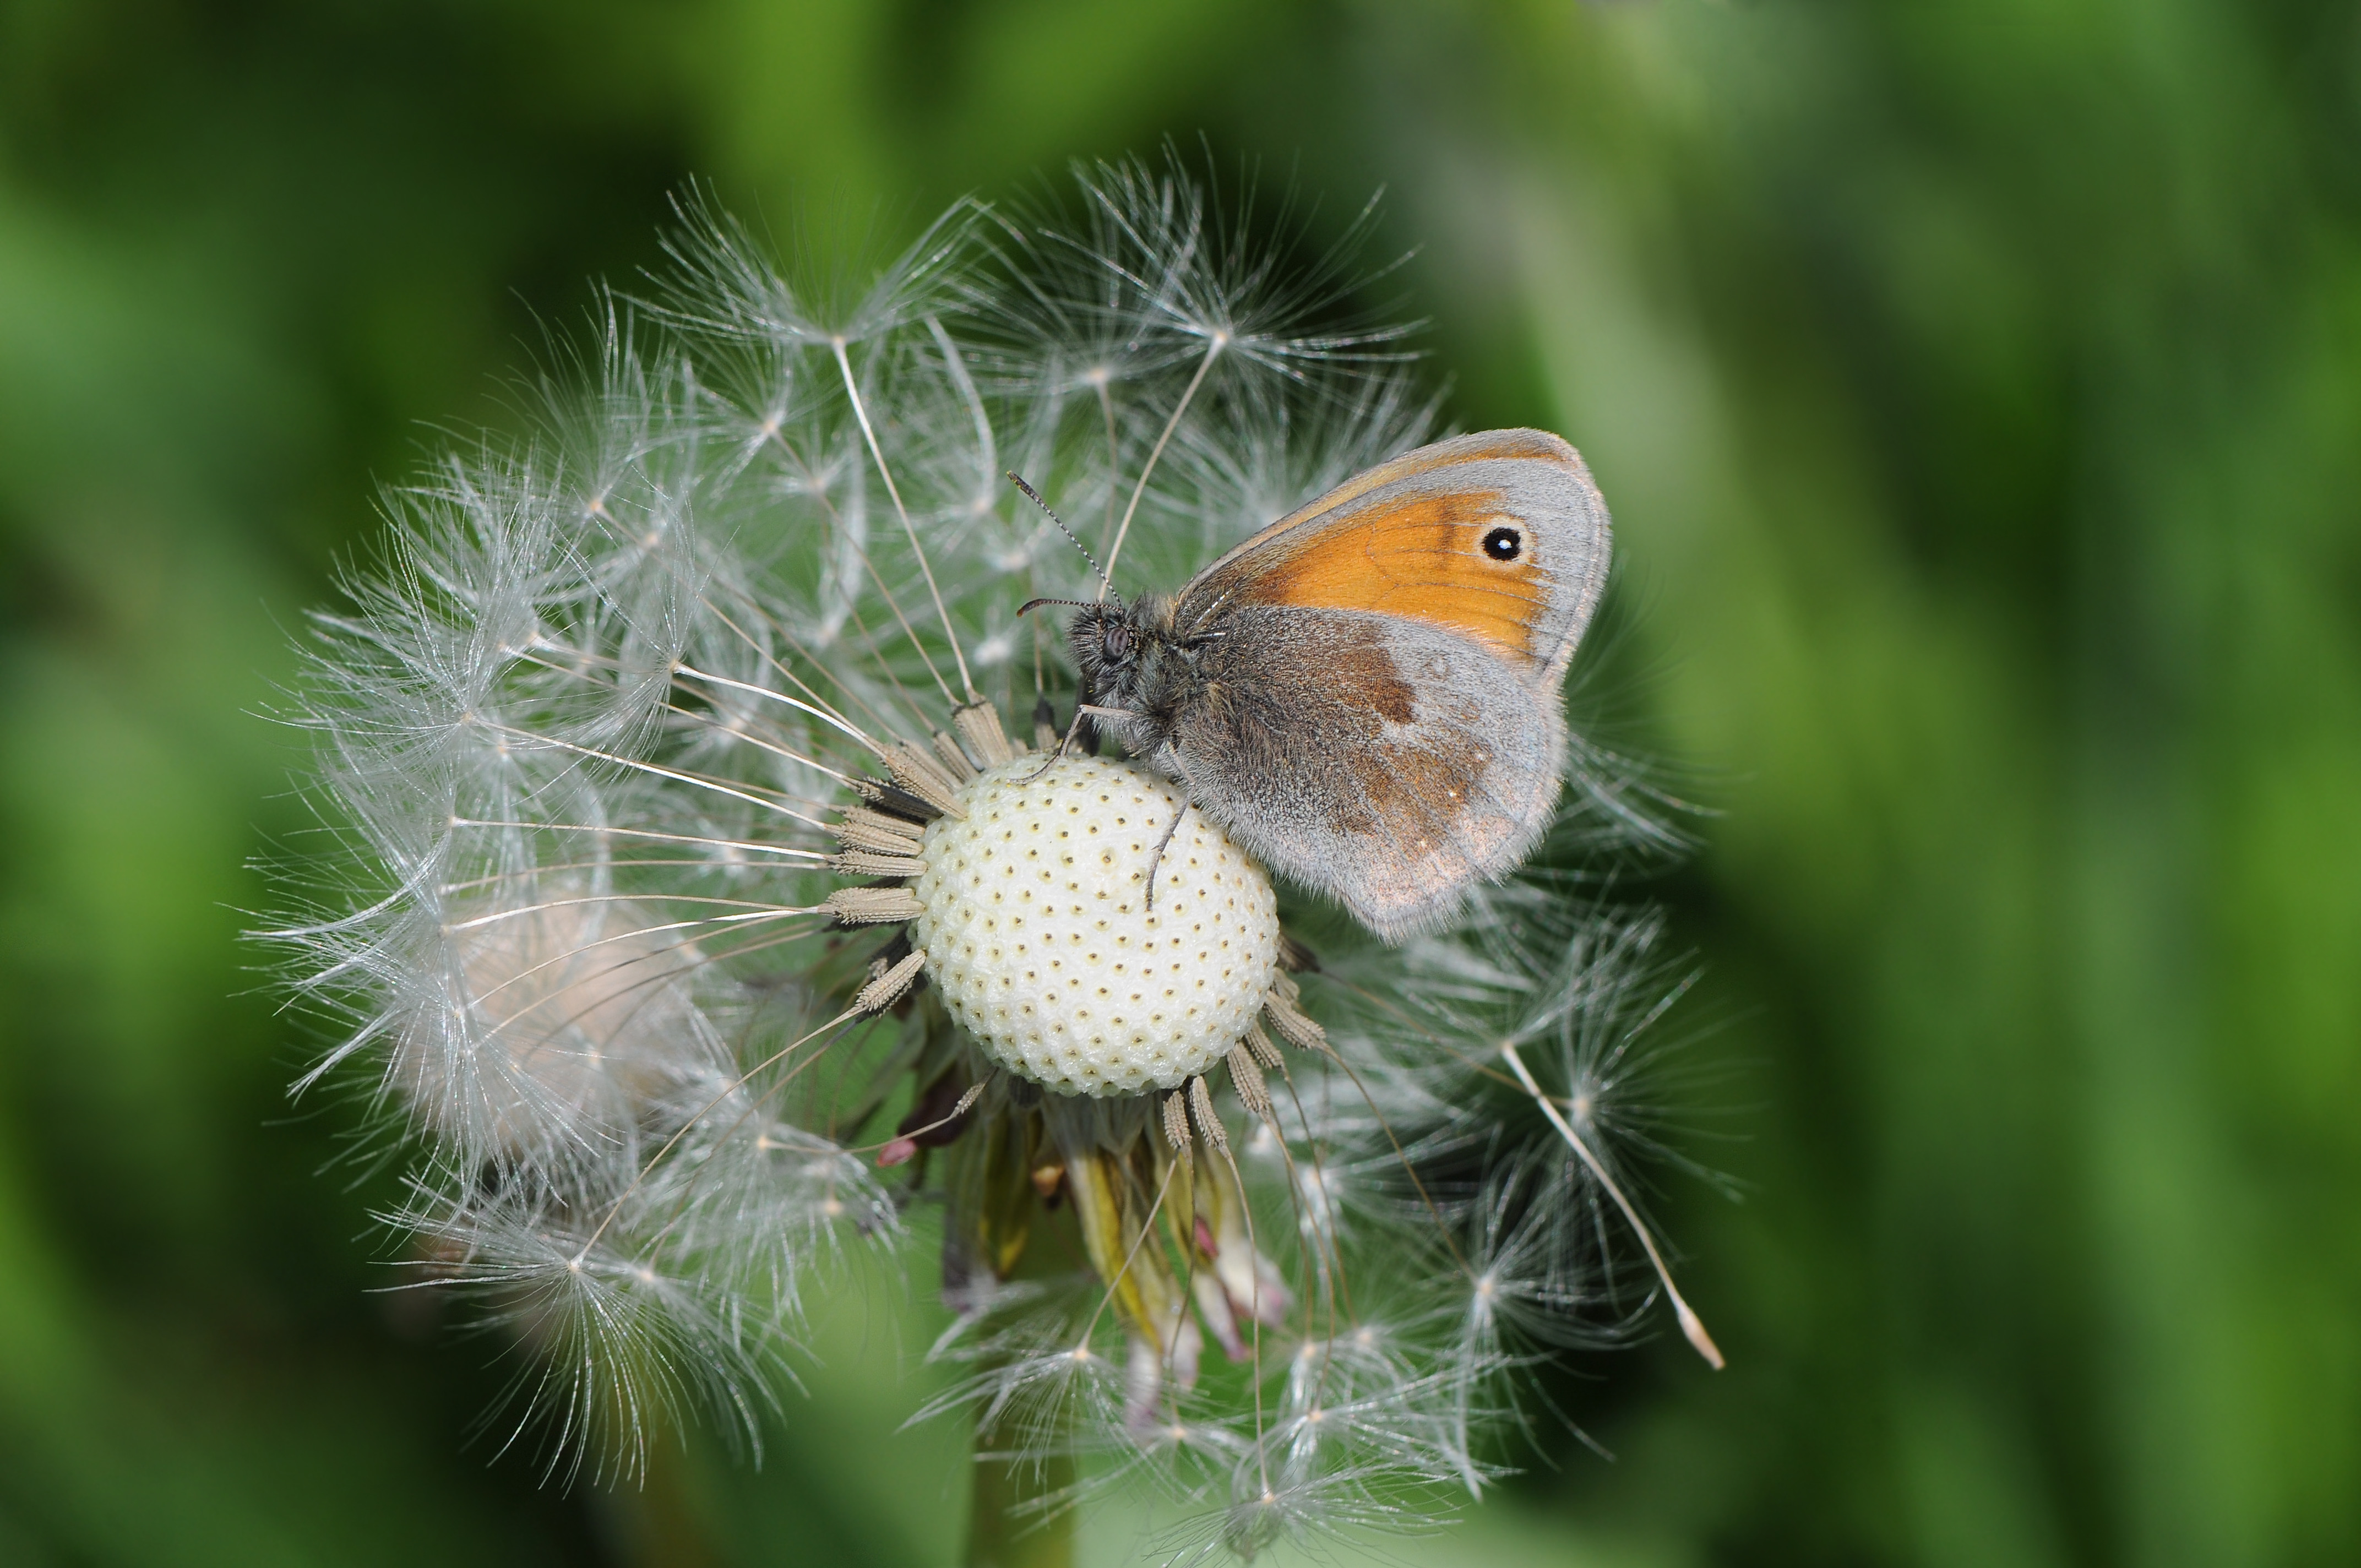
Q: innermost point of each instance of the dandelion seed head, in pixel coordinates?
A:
(669, 748)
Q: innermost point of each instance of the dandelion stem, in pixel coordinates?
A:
(695, 781)
(1691, 1324)
(1254, 1314)
(1213, 347)
(1115, 456)
(861, 412)
(1007, 1525)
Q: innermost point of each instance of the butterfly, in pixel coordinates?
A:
(1365, 693)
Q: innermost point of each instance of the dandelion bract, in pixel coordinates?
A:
(693, 764)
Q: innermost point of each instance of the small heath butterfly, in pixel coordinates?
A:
(1365, 693)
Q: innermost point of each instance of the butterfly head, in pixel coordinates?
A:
(1123, 652)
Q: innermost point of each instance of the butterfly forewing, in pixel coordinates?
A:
(1499, 537)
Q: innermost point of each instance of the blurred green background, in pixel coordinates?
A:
(1977, 386)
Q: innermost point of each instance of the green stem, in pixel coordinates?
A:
(1001, 1533)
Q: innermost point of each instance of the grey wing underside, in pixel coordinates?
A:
(1398, 806)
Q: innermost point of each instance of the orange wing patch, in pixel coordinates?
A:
(1423, 557)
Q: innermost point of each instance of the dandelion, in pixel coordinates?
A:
(724, 898)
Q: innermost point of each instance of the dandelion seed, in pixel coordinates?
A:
(706, 905)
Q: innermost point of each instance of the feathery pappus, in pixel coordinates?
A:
(730, 884)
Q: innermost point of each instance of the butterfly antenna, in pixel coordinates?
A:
(1035, 497)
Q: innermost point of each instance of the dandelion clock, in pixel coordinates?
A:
(741, 870)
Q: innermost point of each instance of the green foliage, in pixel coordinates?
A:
(1978, 388)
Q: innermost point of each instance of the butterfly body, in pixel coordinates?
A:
(1365, 695)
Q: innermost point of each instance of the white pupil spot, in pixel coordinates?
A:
(1040, 942)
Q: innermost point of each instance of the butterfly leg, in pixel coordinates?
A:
(1187, 782)
(1083, 712)
(1057, 755)
(1156, 857)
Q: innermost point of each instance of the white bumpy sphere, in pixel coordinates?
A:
(1038, 937)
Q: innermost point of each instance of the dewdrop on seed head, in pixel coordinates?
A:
(1039, 931)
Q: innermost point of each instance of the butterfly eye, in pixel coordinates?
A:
(1116, 639)
(1503, 543)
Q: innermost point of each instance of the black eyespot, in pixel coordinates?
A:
(1502, 543)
